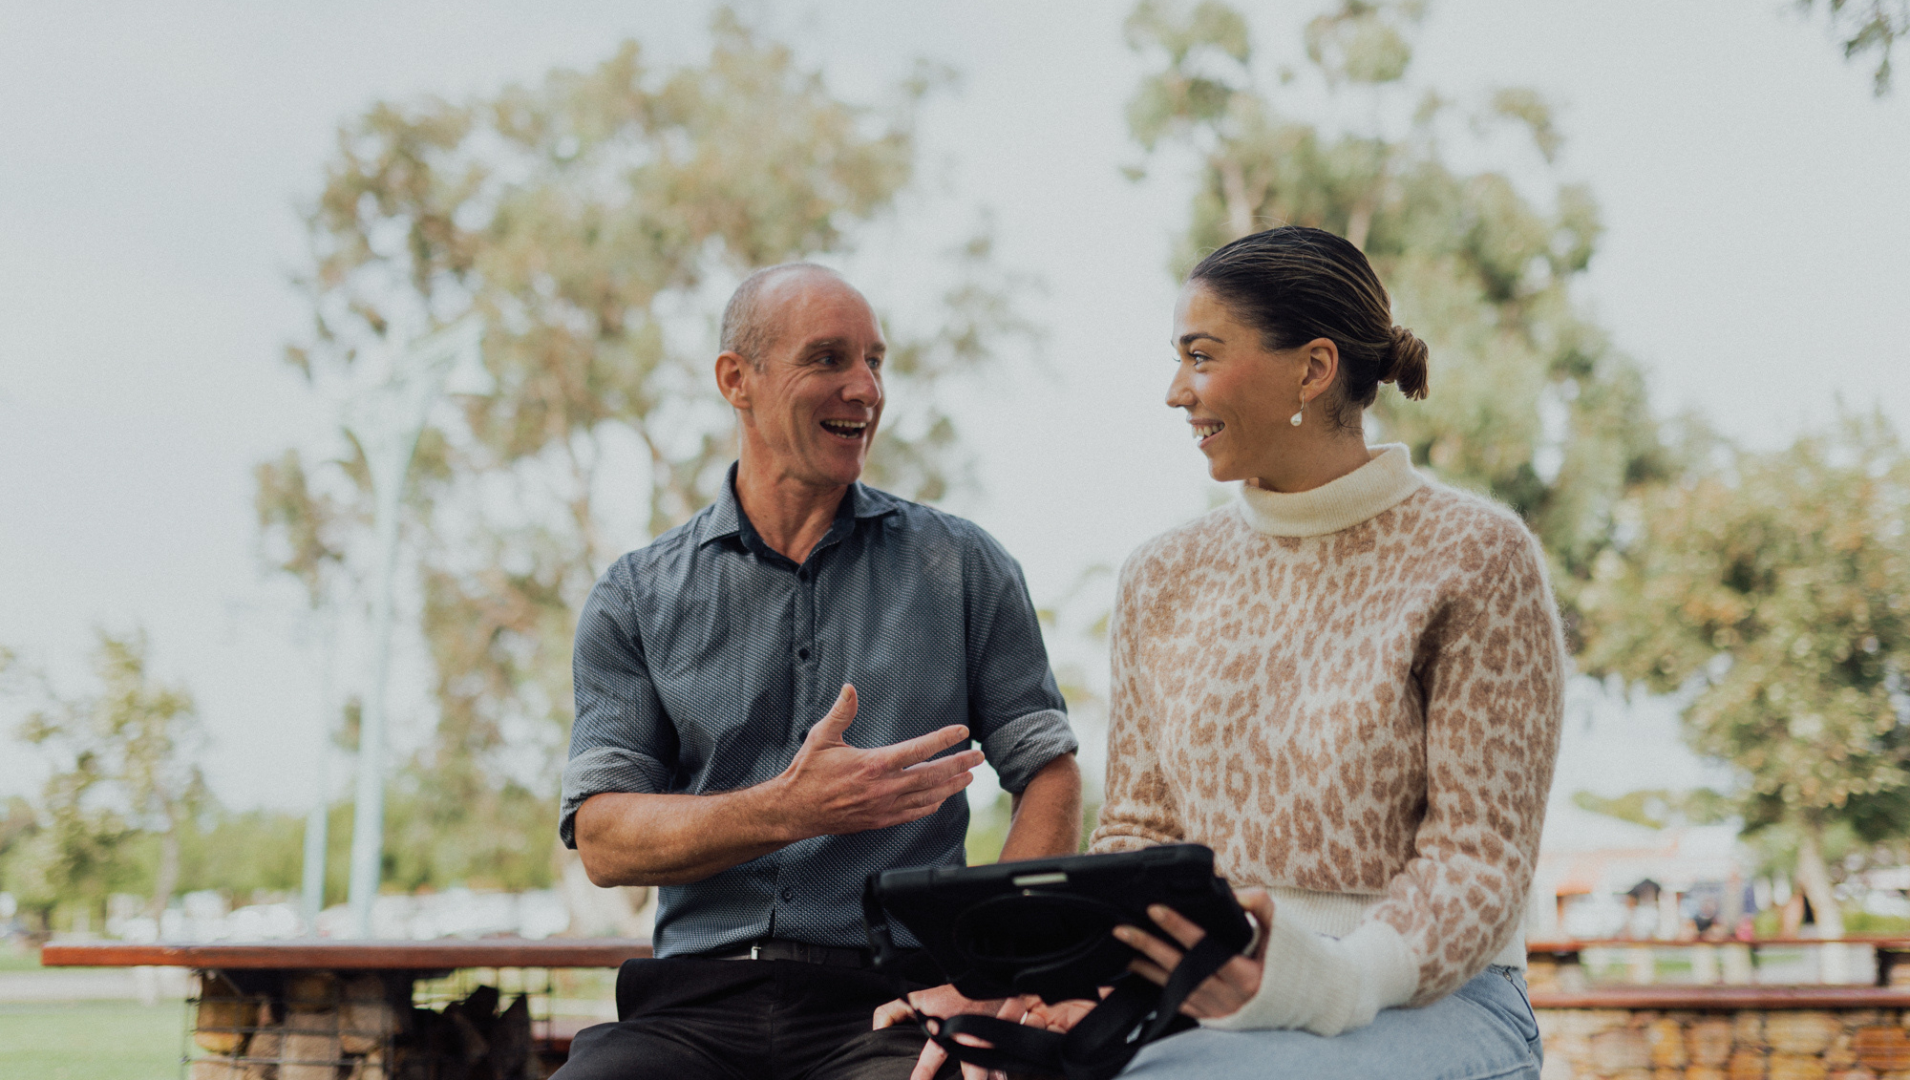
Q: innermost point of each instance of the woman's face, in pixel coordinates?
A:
(1239, 395)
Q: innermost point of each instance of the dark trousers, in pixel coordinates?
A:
(687, 1018)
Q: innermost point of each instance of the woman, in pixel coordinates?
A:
(1348, 684)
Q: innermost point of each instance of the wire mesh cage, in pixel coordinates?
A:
(482, 1024)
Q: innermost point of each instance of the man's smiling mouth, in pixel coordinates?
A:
(847, 429)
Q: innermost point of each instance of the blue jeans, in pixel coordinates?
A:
(1484, 1030)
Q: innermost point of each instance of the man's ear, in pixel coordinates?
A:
(733, 379)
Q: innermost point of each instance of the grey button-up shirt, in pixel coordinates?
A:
(703, 659)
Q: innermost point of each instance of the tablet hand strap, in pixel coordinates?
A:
(1104, 1041)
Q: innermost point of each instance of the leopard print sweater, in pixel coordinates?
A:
(1353, 695)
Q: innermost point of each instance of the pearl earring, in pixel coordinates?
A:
(1299, 416)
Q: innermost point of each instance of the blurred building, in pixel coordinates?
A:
(1601, 877)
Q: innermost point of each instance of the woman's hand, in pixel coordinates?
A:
(945, 1001)
(1226, 990)
(1060, 1017)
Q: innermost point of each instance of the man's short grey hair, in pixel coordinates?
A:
(749, 328)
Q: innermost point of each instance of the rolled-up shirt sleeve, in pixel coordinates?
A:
(622, 739)
(1016, 711)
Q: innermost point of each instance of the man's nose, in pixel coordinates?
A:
(864, 386)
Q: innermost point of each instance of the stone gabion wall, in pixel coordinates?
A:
(1855, 1044)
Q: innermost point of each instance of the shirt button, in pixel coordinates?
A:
(788, 895)
(802, 575)
(802, 654)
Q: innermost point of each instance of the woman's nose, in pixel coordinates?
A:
(1180, 394)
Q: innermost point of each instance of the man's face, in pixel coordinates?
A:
(812, 411)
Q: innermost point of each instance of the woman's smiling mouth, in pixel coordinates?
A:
(1205, 429)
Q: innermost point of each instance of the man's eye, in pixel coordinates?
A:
(875, 363)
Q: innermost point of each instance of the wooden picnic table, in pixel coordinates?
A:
(1891, 950)
(323, 955)
(1714, 998)
(272, 963)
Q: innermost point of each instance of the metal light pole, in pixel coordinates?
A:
(387, 422)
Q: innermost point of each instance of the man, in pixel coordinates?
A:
(720, 674)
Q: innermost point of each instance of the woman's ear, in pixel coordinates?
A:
(1322, 358)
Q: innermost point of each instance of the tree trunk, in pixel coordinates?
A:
(1813, 877)
(1360, 223)
(166, 877)
(1233, 183)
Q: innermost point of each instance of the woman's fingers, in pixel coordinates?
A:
(929, 1062)
(891, 1013)
(1200, 1004)
(1205, 1005)
(1149, 946)
(1013, 1010)
(1149, 970)
(1185, 931)
(1220, 994)
(1242, 976)
(1260, 907)
(1060, 1017)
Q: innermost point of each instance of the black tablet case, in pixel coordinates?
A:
(1042, 926)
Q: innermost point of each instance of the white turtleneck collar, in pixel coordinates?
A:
(1375, 487)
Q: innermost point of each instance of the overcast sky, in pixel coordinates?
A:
(153, 156)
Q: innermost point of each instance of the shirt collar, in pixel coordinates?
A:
(726, 517)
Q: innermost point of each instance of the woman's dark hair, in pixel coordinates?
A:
(1295, 284)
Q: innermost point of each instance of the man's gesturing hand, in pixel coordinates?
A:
(833, 788)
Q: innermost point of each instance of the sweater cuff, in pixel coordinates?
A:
(1325, 986)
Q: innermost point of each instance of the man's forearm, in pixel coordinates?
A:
(627, 838)
(630, 838)
(1047, 813)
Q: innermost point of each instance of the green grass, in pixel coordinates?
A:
(22, 960)
(94, 1040)
(1863, 922)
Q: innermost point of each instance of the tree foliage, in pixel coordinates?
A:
(1776, 588)
(593, 222)
(124, 768)
(1530, 402)
(1657, 808)
(1867, 28)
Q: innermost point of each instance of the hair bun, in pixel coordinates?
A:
(1406, 364)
